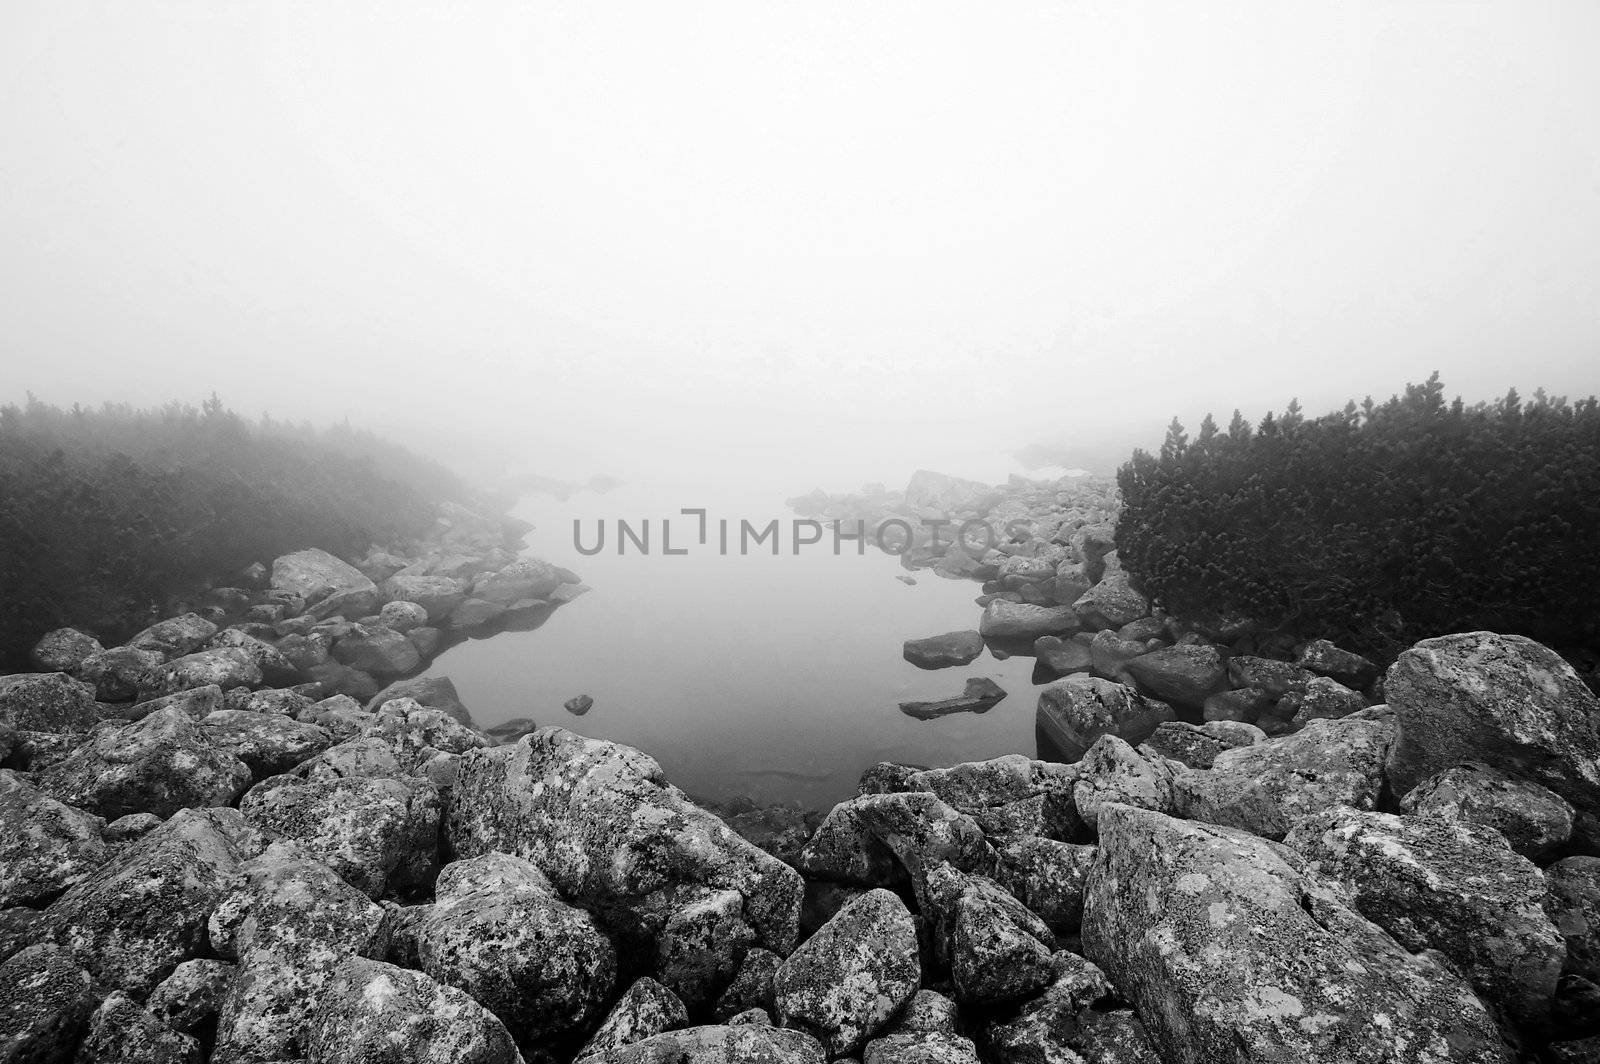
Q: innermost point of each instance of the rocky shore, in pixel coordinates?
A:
(203, 857)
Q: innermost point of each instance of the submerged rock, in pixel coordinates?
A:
(980, 695)
(1438, 884)
(847, 981)
(943, 651)
(1229, 953)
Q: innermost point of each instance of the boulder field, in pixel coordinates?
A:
(245, 876)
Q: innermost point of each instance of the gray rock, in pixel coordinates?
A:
(288, 925)
(316, 576)
(751, 987)
(196, 703)
(1062, 656)
(1047, 876)
(274, 666)
(437, 595)
(920, 1049)
(377, 652)
(1005, 620)
(379, 834)
(48, 702)
(942, 651)
(175, 636)
(131, 827)
(435, 692)
(1242, 706)
(742, 1044)
(1229, 953)
(1276, 678)
(525, 578)
(122, 1032)
(1501, 699)
(507, 732)
(46, 1005)
(63, 650)
(1325, 659)
(846, 982)
(192, 995)
(700, 947)
(924, 832)
(499, 932)
(1074, 712)
(268, 743)
(1109, 655)
(144, 912)
(578, 705)
(1574, 906)
(1534, 820)
(1114, 772)
(156, 765)
(1437, 884)
(844, 850)
(1182, 675)
(45, 846)
(376, 1013)
(998, 951)
(645, 1010)
(120, 673)
(1267, 788)
(1072, 1022)
(223, 667)
(402, 616)
(602, 822)
(979, 696)
(1111, 603)
(1197, 746)
(1320, 699)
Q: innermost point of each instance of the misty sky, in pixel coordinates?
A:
(833, 239)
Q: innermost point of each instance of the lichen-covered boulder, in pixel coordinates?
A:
(1266, 788)
(63, 650)
(273, 664)
(318, 578)
(645, 1010)
(612, 834)
(144, 912)
(1047, 876)
(432, 692)
(123, 1032)
(377, 652)
(920, 1048)
(1184, 675)
(47, 1001)
(158, 765)
(437, 595)
(191, 997)
(376, 1013)
(525, 578)
(1500, 699)
(1320, 699)
(1534, 820)
(1025, 621)
(844, 850)
(1073, 1020)
(751, 987)
(119, 674)
(1076, 711)
(196, 703)
(1113, 771)
(1229, 953)
(1325, 659)
(47, 702)
(1111, 603)
(379, 834)
(1275, 678)
(998, 951)
(1197, 745)
(1438, 884)
(922, 832)
(701, 945)
(45, 846)
(269, 744)
(741, 1044)
(175, 636)
(499, 931)
(1574, 906)
(288, 924)
(847, 981)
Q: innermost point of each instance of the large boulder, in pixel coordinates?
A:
(379, 834)
(1024, 621)
(144, 911)
(46, 701)
(1438, 884)
(1266, 788)
(998, 951)
(1047, 876)
(645, 1010)
(611, 833)
(1074, 712)
(1111, 603)
(1323, 658)
(158, 765)
(121, 1031)
(1112, 772)
(741, 1044)
(268, 743)
(525, 578)
(45, 846)
(1231, 954)
(1185, 675)
(844, 850)
(288, 923)
(376, 1013)
(1534, 820)
(1197, 746)
(499, 931)
(320, 579)
(434, 692)
(224, 667)
(437, 595)
(1074, 1020)
(377, 652)
(847, 981)
(1500, 699)
(924, 832)
(175, 636)
(120, 673)
(63, 650)
(928, 490)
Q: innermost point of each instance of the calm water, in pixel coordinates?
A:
(776, 677)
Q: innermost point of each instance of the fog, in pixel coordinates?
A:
(821, 242)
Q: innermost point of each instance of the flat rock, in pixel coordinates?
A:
(175, 636)
(979, 696)
(1183, 675)
(943, 651)
(1004, 620)
(1074, 712)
